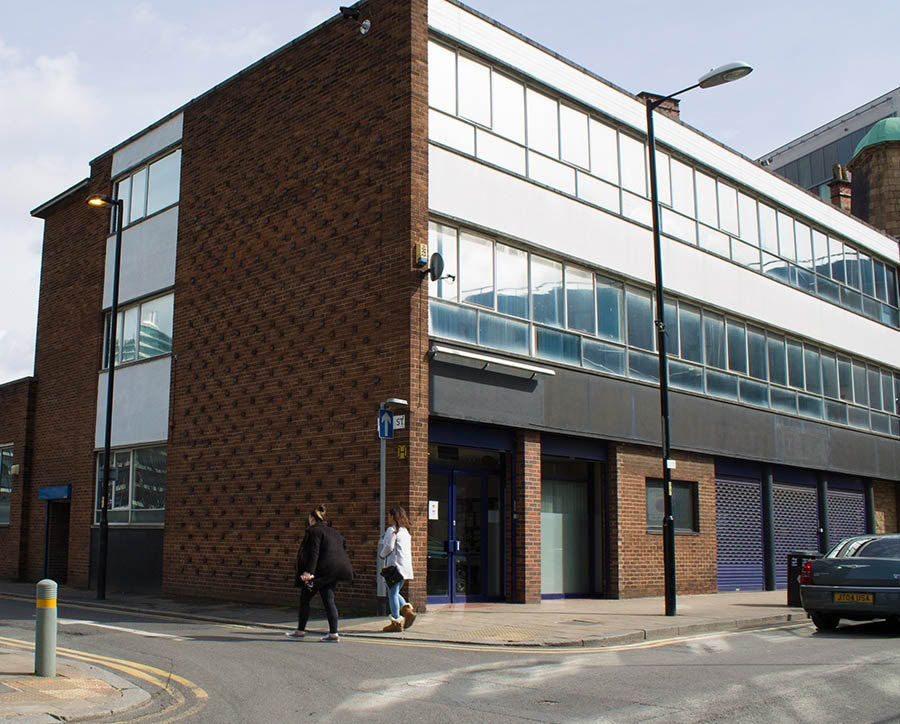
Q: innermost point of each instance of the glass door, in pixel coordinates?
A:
(466, 553)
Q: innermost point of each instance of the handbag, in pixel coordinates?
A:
(391, 575)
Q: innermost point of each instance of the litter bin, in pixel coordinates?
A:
(795, 561)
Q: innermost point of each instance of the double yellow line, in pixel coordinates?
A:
(152, 675)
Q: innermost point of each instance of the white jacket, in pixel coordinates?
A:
(396, 549)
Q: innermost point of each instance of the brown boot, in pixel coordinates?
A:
(396, 624)
(409, 615)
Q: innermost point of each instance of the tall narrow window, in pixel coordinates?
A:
(574, 136)
(542, 116)
(442, 240)
(512, 281)
(604, 151)
(476, 270)
(682, 187)
(442, 78)
(508, 98)
(6, 461)
(474, 91)
(580, 299)
(547, 291)
(639, 312)
(714, 340)
(691, 335)
(609, 308)
(737, 347)
(164, 182)
(633, 164)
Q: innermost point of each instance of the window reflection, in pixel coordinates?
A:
(604, 152)
(441, 78)
(476, 270)
(547, 291)
(442, 239)
(580, 299)
(609, 308)
(639, 315)
(508, 108)
(633, 156)
(512, 281)
(542, 121)
(574, 136)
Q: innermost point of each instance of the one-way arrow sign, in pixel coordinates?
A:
(385, 424)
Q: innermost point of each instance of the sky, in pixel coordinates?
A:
(76, 79)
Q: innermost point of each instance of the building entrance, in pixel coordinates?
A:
(465, 525)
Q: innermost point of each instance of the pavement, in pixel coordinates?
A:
(82, 690)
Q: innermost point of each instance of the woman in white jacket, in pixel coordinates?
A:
(396, 549)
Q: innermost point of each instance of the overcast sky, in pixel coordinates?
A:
(77, 79)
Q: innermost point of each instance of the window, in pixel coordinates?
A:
(6, 461)
(476, 270)
(512, 281)
(604, 152)
(442, 240)
(682, 188)
(149, 189)
(508, 108)
(474, 91)
(542, 119)
(714, 339)
(684, 506)
(689, 328)
(639, 311)
(609, 308)
(580, 299)
(442, 78)
(574, 136)
(137, 485)
(547, 291)
(633, 156)
(143, 331)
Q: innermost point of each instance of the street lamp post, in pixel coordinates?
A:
(717, 76)
(117, 206)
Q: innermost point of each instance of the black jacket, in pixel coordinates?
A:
(323, 553)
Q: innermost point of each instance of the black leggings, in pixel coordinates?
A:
(327, 593)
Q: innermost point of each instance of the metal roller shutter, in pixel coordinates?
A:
(796, 525)
(846, 514)
(739, 535)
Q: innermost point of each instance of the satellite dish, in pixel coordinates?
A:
(436, 267)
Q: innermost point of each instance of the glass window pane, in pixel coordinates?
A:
(820, 253)
(670, 317)
(598, 192)
(547, 291)
(746, 254)
(138, 195)
(476, 270)
(689, 327)
(706, 199)
(678, 226)
(604, 151)
(795, 363)
(452, 322)
(880, 287)
(6, 487)
(887, 392)
(858, 417)
(474, 91)
(836, 412)
(604, 357)
(508, 107)
(860, 389)
(149, 479)
(552, 173)
(803, 241)
(637, 208)
(783, 400)
(442, 78)
(714, 241)
(129, 335)
(639, 311)
(542, 118)
(810, 406)
(728, 213)
(574, 136)
(714, 340)
(737, 347)
(754, 393)
(512, 281)
(838, 272)
(786, 246)
(866, 274)
(442, 240)
(123, 192)
(747, 218)
(776, 267)
(156, 327)
(874, 388)
(498, 151)
(756, 353)
(558, 346)
(451, 132)
(891, 284)
(682, 187)
(827, 289)
(829, 375)
(777, 365)
(165, 176)
(663, 183)
(845, 379)
(851, 264)
(812, 368)
(580, 299)
(720, 384)
(120, 476)
(502, 333)
(768, 230)
(685, 377)
(609, 308)
(633, 165)
(643, 366)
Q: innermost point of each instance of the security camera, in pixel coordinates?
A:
(351, 13)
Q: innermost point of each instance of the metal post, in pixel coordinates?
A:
(869, 490)
(45, 629)
(768, 525)
(111, 363)
(380, 587)
(822, 497)
(668, 523)
(47, 540)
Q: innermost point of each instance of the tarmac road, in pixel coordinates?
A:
(231, 673)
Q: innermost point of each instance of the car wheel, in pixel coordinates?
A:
(825, 621)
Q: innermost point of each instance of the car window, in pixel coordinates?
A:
(881, 548)
(853, 546)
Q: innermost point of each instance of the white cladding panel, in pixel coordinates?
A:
(151, 143)
(140, 404)
(456, 22)
(148, 257)
(471, 192)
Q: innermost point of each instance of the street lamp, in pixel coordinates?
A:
(117, 205)
(717, 76)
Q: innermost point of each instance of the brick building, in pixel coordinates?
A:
(272, 296)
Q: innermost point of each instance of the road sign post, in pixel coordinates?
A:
(385, 424)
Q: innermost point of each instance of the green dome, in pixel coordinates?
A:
(887, 129)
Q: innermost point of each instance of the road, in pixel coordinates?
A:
(226, 673)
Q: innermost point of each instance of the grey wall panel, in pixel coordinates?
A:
(578, 403)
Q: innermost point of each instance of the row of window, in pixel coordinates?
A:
(484, 113)
(516, 301)
(685, 505)
(149, 189)
(137, 485)
(815, 168)
(6, 461)
(143, 330)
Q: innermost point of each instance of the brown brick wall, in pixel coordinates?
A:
(887, 504)
(528, 517)
(637, 565)
(304, 186)
(66, 365)
(16, 426)
(876, 187)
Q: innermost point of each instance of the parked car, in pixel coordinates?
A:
(858, 579)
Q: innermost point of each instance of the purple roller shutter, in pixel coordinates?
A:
(796, 525)
(739, 535)
(846, 514)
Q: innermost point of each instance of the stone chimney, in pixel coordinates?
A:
(840, 187)
(876, 177)
(669, 107)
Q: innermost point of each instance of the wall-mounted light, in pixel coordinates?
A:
(352, 13)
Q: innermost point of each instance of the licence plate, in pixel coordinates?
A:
(854, 598)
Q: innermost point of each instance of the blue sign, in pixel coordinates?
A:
(55, 492)
(385, 424)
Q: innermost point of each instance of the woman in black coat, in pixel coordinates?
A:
(322, 561)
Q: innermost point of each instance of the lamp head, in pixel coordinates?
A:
(724, 74)
(350, 12)
(101, 201)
